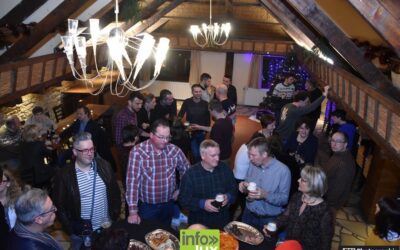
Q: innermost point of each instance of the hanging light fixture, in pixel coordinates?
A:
(210, 35)
(119, 60)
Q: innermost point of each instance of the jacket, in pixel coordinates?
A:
(67, 198)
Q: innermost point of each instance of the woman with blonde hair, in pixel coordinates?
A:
(9, 191)
(308, 218)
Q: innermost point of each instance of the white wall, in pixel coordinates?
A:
(241, 74)
(213, 63)
(210, 62)
(7, 5)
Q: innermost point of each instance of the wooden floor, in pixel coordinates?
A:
(244, 129)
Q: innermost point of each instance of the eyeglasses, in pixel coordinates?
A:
(163, 138)
(334, 141)
(303, 180)
(53, 209)
(86, 151)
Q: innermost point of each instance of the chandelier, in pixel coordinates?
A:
(210, 35)
(121, 70)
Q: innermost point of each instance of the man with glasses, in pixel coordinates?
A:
(86, 192)
(340, 170)
(151, 181)
(35, 212)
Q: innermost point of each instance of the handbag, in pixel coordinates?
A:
(84, 226)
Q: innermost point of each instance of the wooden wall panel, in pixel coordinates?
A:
(258, 46)
(281, 48)
(395, 132)
(370, 119)
(48, 70)
(361, 111)
(60, 66)
(37, 70)
(22, 78)
(5, 83)
(353, 103)
(382, 120)
(340, 87)
(346, 88)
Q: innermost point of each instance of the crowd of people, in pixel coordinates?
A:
(175, 163)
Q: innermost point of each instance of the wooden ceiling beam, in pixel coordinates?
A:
(324, 25)
(41, 30)
(157, 25)
(290, 21)
(201, 2)
(381, 19)
(200, 19)
(145, 24)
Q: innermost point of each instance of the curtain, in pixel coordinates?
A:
(194, 75)
(255, 71)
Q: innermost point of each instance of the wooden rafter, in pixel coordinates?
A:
(44, 27)
(320, 21)
(381, 19)
(237, 20)
(145, 24)
(293, 24)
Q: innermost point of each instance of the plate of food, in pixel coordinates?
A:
(137, 245)
(162, 240)
(228, 242)
(244, 232)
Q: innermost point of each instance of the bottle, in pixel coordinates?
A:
(87, 240)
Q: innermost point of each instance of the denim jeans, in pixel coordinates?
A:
(195, 141)
(256, 221)
(162, 212)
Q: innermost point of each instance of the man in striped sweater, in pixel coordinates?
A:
(86, 192)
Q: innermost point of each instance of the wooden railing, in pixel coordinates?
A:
(377, 113)
(30, 75)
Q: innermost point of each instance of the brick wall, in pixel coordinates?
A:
(51, 97)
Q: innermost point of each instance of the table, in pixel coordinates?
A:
(138, 232)
(97, 110)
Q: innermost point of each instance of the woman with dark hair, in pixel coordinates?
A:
(300, 149)
(302, 145)
(9, 191)
(35, 168)
(267, 127)
(387, 224)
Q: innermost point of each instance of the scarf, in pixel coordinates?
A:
(44, 238)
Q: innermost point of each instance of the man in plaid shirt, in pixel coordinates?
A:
(127, 116)
(151, 180)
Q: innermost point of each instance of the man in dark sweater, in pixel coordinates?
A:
(232, 95)
(314, 93)
(196, 111)
(293, 111)
(221, 131)
(340, 170)
(165, 107)
(202, 183)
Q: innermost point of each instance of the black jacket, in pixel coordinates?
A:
(67, 199)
